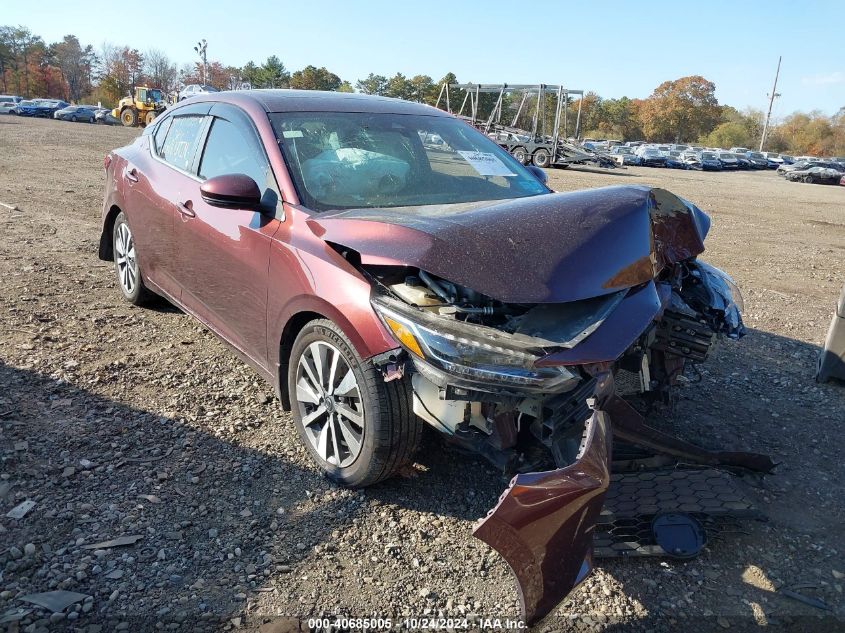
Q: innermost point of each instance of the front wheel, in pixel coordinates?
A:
(358, 428)
(129, 117)
(126, 266)
(808, 179)
(73, 119)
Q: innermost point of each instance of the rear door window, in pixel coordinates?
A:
(180, 144)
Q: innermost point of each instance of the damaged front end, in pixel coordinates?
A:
(540, 377)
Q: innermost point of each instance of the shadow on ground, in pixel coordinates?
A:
(220, 524)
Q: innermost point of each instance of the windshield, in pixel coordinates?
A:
(727, 156)
(341, 160)
(708, 155)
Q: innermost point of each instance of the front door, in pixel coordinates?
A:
(223, 253)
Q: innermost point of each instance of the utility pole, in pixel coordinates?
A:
(201, 48)
(772, 96)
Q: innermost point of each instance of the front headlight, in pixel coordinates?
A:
(475, 355)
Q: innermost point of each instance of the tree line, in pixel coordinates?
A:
(681, 110)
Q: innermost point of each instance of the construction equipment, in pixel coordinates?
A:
(140, 109)
(530, 141)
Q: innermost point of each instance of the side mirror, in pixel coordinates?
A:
(538, 173)
(234, 191)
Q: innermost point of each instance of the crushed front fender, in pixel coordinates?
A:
(544, 522)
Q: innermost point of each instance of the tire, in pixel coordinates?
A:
(808, 179)
(149, 117)
(92, 120)
(541, 157)
(126, 267)
(129, 117)
(381, 417)
(521, 155)
(73, 119)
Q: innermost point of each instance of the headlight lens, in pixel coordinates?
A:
(473, 354)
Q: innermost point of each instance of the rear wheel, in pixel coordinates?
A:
(541, 157)
(808, 179)
(126, 266)
(149, 117)
(358, 428)
(129, 117)
(73, 118)
(520, 154)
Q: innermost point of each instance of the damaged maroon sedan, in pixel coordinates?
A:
(385, 265)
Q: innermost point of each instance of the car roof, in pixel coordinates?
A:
(286, 100)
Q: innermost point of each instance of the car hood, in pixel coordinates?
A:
(555, 247)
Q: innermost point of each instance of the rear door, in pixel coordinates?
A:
(154, 179)
(223, 253)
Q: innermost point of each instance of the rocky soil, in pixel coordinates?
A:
(124, 422)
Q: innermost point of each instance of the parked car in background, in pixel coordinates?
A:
(104, 115)
(728, 160)
(758, 161)
(743, 162)
(815, 174)
(787, 159)
(76, 113)
(195, 89)
(625, 155)
(8, 104)
(48, 107)
(651, 157)
(709, 161)
(27, 107)
(674, 160)
(775, 159)
(799, 164)
(337, 240)
(739, 150)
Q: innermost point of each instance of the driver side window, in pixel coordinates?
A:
(233, 150)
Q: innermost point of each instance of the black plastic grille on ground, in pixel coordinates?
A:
(634, 499)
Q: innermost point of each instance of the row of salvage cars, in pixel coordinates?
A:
(380, 285)
(815, 171)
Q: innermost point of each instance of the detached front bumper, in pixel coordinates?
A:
(544, 522)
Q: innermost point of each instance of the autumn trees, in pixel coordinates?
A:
(680, 110)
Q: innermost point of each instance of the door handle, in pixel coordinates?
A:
(187, 209)
(131, 175)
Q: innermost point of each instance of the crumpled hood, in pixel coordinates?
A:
(550, 248)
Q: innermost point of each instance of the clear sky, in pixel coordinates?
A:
(612, 47)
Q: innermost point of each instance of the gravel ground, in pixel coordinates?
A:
(118, 421)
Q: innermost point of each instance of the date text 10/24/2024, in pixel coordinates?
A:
(328, 624)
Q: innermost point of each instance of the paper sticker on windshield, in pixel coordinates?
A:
(487, 164)
(292, 133)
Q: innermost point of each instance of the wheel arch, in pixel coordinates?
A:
(291, 330)
(106, 249)
(366, 334)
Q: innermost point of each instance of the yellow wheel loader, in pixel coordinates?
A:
(140, 109)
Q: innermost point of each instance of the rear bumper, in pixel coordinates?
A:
(544, 522)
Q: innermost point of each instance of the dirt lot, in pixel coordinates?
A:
(120, 421)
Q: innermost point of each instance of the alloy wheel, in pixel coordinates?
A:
(329, 403)
(127, 265)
